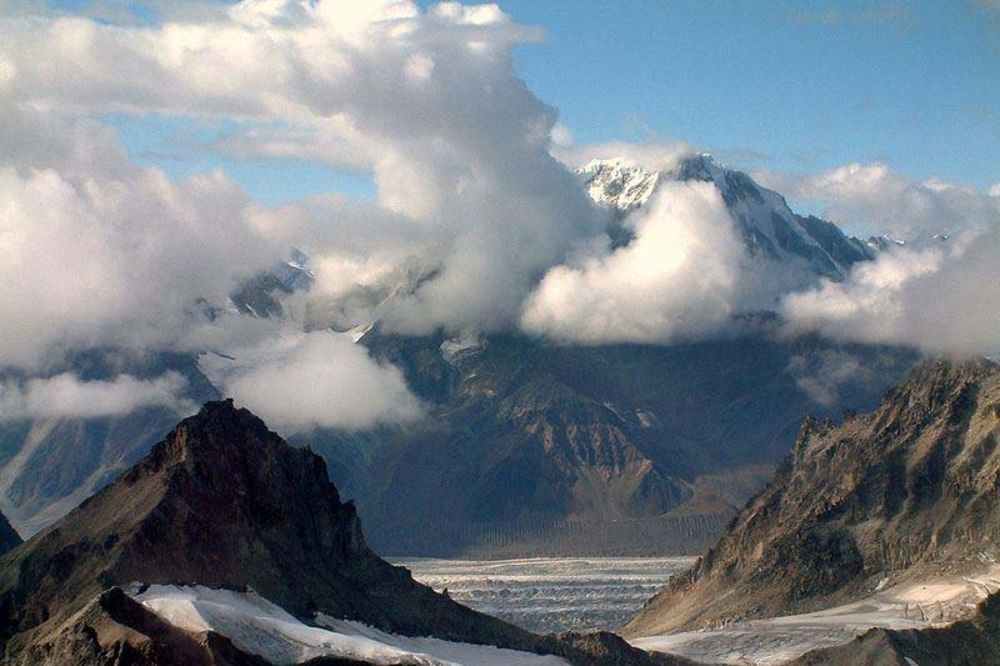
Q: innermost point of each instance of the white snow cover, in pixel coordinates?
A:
(618, 183)
(256, 625)
(776, 640)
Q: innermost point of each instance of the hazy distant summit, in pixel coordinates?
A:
(769, 229)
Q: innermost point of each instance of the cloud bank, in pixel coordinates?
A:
(67, 396)
(940, 298)
(300, 382)
(478, 223)
(427, 101)
(100, 252)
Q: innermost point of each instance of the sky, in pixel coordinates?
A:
(789, 86)
(157, 155)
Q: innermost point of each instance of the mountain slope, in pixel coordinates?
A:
(908, 492)
(48, 465)
(537, 448)
(769, 229)
(975, 641)
(224, 502)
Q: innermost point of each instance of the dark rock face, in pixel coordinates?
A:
(907, 490)
(9, 538)
(525, 438)
(224, 502)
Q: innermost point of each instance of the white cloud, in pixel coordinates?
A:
(874, 199)
(678, 278)
(112, 254)
(941, 298)
(67, 396)
(427, 101)
(821, 378)
(321, 379)
(650, 156)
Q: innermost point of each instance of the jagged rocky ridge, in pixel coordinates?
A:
(223, 502)
(910, 491)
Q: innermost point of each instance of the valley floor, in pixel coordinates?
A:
(779, 639)
(551, 594)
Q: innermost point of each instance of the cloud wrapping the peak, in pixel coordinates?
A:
(877, 200)
(676, 280)
(299, 382)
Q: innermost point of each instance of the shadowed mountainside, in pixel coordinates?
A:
(224, 502)
(533, 448)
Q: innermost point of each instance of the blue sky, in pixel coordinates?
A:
(796, 86)
(787, 86)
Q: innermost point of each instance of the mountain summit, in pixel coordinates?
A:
(768, 227)
(222, 502)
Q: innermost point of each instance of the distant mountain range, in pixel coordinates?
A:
(530, 446)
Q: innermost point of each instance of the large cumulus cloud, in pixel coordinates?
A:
(427, 101)
(677, 279)
(475, 225)
(938, 298)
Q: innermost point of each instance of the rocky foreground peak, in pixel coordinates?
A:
(224, 504)
(910, 491)
(221, 502)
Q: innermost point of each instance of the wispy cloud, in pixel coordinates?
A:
(875, 199)
(68, 396)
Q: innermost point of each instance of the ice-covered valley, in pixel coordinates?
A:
(772, 641)
(551, 593)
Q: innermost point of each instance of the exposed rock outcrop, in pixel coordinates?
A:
(221, 502)
(909, 491)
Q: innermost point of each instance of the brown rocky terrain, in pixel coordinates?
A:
(550, 446)
(910, 491)
(223, 502)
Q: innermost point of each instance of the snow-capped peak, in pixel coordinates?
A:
(769, 229)
(618, 183)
